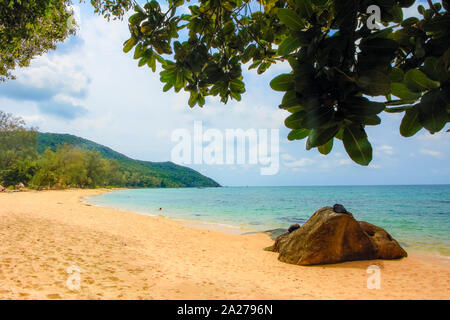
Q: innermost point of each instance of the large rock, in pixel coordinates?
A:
(330, 237)
(386, 246)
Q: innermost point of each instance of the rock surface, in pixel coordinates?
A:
(293, 227)
(330, 237)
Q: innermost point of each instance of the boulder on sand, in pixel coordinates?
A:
(2, 189)
(330, 237)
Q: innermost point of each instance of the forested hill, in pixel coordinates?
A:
(139, 173)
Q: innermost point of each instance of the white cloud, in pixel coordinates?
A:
(300, 163)
(433, 153)
(386, 149)
(344, 162)
(287, 157)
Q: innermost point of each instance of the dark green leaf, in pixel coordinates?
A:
(357, 145)
(283, 82)
(298, 134)
(326, 148)
(396, 75)
(431, 68)
(378, 45)
(369, 120)
(317, 117)
(417, 81)
(400, 90)
(374, 83)
(291, 19)
(320, 136)
(294, 120)
(289, 100)
(410, 123)
(432, 111)
(289, 44)
(361, 106)
(305, 8)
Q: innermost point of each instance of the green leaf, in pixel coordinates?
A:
(291, 19)
(320, 3)
(357, 145)
(289, 100)
(129, 44)
(431, 69)
(432, 111)
(361, 106)
(320, 136)
(379, 45)
(294, 120)
(193, 99)
(397, 13)
(326, 148)
(138, 51)
(374, 83)
(142, 62)
(305, 8)
(298, 134)
(409, 22)
(437, 24)
(289, 44)
(317, 117)
(417, 81)
(396, 75)
(369, 120)
(400, 90)
(410, 123)
(237, 86)
(283, 82)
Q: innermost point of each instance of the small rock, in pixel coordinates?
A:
(339, 208)
(293, 227)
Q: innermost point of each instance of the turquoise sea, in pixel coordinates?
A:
(417, 216)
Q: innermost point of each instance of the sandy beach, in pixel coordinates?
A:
(123, 255)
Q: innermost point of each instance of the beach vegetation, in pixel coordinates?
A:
(47, 160)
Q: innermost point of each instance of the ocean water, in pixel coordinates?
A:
(417, 216)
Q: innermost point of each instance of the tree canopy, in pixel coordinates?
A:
(29, 28)
(17, 150)
(343, 73)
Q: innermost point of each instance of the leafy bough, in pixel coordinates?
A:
(343, 74)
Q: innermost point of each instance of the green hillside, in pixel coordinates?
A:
(140, 173)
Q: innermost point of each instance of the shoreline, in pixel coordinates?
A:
(428, 253)
(127, 255)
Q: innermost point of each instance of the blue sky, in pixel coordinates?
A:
(90, 88)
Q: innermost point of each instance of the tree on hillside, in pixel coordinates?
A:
(30, 28)
(17, 150)
(338, 62)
